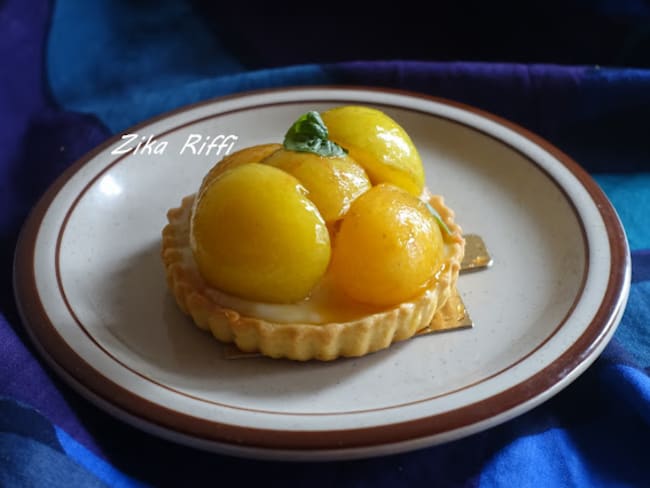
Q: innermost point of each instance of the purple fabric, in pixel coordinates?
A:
(641, 266)
(22, 93)
(37, 141)
(596, 115)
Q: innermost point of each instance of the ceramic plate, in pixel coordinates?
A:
(91, 290)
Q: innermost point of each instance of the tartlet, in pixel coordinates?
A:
(325, 326)
(301, 341)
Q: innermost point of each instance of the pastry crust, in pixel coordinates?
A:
(302, 341)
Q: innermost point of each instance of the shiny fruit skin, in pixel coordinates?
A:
(256, 235)
(252, 154)
(387, 249)
(333, 183)
(379, 144)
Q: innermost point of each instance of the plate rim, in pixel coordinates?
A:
(547, 381)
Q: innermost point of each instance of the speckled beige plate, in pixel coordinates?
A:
(91, 290)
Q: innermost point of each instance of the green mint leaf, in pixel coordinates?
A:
(437, 216)
(309, 134)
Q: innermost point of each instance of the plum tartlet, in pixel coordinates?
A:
(326, 246)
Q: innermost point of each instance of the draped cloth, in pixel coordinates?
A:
(73, 73)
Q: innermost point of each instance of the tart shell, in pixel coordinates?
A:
(302, 341)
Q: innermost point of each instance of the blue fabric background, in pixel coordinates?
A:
(74, 72)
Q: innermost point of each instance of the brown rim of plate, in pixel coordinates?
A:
(580, 352)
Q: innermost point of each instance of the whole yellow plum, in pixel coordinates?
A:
(255, 234)
(252, 154)
(388, 247)
(333, 182)
(379, 144)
